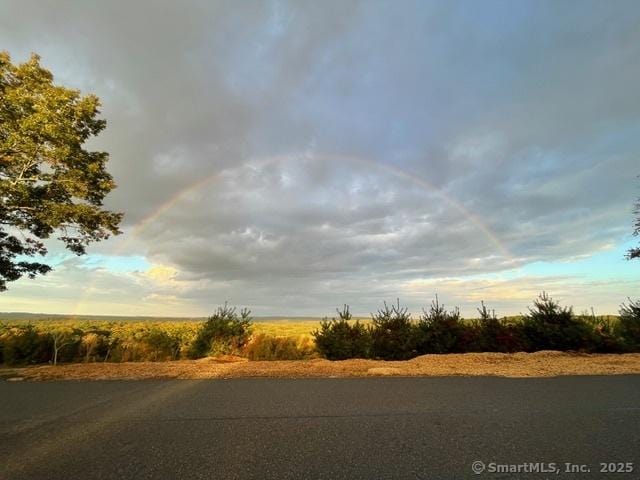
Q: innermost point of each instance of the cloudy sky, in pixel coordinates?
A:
(296, 156)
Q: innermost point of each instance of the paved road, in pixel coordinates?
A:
(387, 428)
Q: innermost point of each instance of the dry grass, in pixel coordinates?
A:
(540, 364)
(286, 328)
(294, 327)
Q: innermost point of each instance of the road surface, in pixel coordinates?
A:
(375, 428)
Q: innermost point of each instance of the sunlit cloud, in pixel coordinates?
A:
(161, 273)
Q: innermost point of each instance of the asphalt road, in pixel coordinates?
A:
(386, 428)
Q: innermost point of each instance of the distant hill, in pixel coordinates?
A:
(37, 317)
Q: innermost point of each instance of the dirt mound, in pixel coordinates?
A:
(222, 359)
(539, 364)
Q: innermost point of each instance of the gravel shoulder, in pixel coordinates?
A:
(538, 364)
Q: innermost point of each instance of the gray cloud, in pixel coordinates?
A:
(524, 113)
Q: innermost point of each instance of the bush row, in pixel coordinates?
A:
(394, 335)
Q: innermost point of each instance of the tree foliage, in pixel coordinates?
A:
(49, 184)
(635, 252)
(548, 326)
(393, 333)
(339, 338)
(440, 330)
(224, 332)
(628, 327)
(496, 335)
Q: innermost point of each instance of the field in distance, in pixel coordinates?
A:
(278, 326)
(274, 325)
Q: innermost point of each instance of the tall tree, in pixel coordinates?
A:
(635, 252)
(49, 184)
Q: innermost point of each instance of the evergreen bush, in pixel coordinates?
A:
(442, 331)
(497, 335)
(548, 326)
(339, 338)
(628, 326)
(394, 336)
(224, 332)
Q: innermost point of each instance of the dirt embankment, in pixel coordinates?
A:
(539, 364)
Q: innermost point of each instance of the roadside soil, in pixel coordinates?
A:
(538, 364)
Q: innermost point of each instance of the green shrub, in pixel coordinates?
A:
(497, 335)
(603, 335)
(441, 331)
(628, 326)
(339, 339)
(548, 326)
(222, 333)
(394, 336)
(268, 347)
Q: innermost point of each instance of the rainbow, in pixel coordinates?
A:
(181, 195)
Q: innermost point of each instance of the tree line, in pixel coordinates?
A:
(391, 334)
